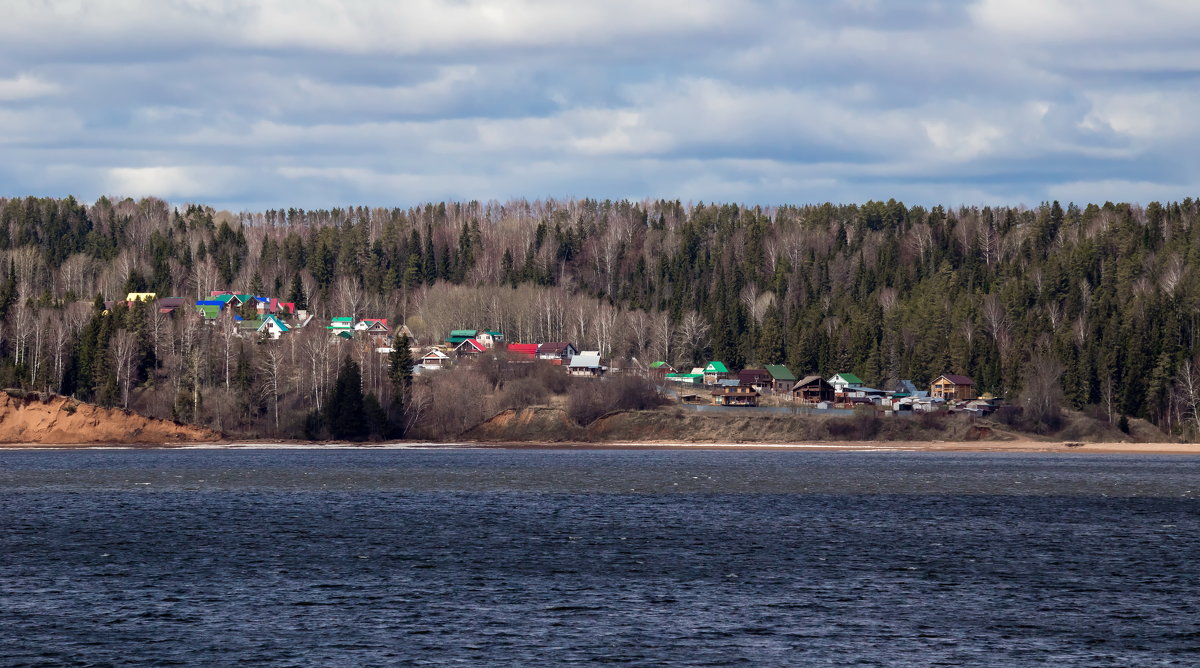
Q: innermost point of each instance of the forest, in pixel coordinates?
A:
(1097, 301)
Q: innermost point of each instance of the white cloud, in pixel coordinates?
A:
(172, 181)
(25, 87)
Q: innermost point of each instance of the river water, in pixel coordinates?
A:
(544, 557)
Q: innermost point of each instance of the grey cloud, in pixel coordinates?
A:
(249, 104)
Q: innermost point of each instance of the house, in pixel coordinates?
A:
(168, 305)
(952, 387)
(738, 395)
(759, 379)
(661, 370)
(378, 326)
(558, 352)
(489, 338)
(469, 348)
(273, 306)
(904, 388)
(267, 325)
(404, 331)
(459, 335)
(782, 379)
(435, 359)
(522, 352)
(715, 371)
(586, 364)
(841, 381)
(812, 390)
(341, 324)
(209, 312)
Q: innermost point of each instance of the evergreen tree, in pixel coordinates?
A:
(296, 293)
(344, 412)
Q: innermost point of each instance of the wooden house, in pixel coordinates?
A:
(782, 379)
(660, 370)
(952, 387)
(812, 390)
(557, 352)
(435, 359)
(759, 379)
(735, 395)
(715, 371)
(469, 348)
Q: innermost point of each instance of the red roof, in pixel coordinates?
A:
(958, 380)
(471, 343)
(523, 350)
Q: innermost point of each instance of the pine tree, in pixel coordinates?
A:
(344, 415)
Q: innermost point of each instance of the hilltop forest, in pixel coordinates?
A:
(1098, 303)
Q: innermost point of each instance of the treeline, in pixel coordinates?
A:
(1099, 300)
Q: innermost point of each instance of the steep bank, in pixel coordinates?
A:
(677, 425)
(545, 424)
(56, 419)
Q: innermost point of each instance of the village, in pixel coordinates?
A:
(270, 319)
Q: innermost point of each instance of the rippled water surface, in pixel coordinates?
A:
(494, 557)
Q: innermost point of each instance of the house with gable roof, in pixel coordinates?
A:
(841, 381)
(489, 338)
(952, 387)
(267, 326)
(715, 371)
(557, 352)
(586, 364)
(469, 348)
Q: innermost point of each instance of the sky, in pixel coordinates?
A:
(256, 104)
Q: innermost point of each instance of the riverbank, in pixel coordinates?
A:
(1015, 446)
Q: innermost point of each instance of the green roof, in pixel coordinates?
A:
(221, 298)
(467, 333)
(490, 332)
(850, 378)
(655, 365)
(780, 372)
(716, 367)
(209, 311)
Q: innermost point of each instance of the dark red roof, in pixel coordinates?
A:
(753, 375)
(556, 347)
(957, 379)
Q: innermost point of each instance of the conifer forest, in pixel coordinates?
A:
(1098, 302)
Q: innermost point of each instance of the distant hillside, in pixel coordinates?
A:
(1094, 305)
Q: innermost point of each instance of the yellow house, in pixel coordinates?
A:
(141, 297)
(952, 387)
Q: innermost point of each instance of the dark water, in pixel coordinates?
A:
(474, 557)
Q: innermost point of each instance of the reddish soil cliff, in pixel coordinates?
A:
(55, 419)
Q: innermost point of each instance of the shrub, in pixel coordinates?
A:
(588, 399)
(863, 426)
(523, 392)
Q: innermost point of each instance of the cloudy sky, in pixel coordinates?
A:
(250, 104)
